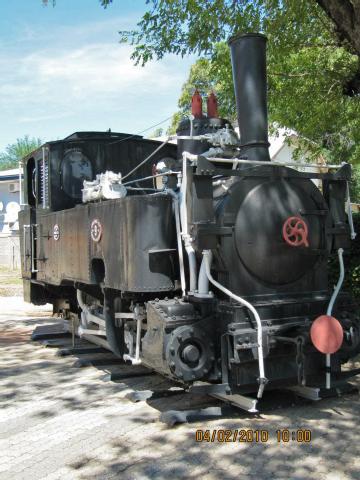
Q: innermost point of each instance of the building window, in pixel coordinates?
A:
(14, 187)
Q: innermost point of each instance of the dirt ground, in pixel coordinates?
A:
(62, 422)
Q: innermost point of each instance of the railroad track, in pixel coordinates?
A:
(158, 389)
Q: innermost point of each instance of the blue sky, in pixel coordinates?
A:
(63, 69)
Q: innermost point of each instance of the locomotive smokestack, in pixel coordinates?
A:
(248, 56)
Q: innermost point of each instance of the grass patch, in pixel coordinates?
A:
(10, 282)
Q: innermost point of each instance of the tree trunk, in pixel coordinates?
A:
(346, 16)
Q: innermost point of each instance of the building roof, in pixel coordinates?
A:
(278, 140)
(11, 174)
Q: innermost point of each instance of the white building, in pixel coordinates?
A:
(9, 225)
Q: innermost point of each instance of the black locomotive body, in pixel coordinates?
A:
(134, 267)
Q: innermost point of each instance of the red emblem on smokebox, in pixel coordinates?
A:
(295, 232)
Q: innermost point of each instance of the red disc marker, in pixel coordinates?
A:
(326, 334)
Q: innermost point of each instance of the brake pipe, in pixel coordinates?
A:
(262, 379)
(330, 308)
(194, 158)
(178, 238)
(349, 213)
(184, 227)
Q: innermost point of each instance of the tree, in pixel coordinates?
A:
(15, 152)
(346, 16)
(313, 68)
(355, 186)
(158, 132)
(313, 59)
(307, 97)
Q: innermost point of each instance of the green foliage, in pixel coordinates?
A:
(355, 185)
(158, 132)
(308, 70)
(305, 94)
(15, 152)
(208, 75)
(352, 264)
(195, 26)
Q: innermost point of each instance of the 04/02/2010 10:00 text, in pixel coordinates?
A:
(249, 436)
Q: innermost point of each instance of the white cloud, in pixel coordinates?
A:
(100, 69)
(94, 84)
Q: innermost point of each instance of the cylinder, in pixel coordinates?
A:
(248, 57)
(196, 105)
(212, 106)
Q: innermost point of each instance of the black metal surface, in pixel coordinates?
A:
(97, 362)
(248, 55)
(118, 376)
(200, 127)
(256, 258)
(237, 213)
(132, 227)
(119, 153)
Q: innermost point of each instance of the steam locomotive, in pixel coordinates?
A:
(203, 260)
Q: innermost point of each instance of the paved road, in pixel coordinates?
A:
(62, 422)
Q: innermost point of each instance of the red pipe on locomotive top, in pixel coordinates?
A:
(196, 105)
(212, 106)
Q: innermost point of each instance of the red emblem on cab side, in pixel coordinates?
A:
(96, 230)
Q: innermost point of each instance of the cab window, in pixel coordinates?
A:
(75, 168)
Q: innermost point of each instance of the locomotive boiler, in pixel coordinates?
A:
(203, 260)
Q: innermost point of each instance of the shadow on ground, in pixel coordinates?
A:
(68, 422)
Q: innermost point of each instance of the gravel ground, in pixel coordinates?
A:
(61, 422)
